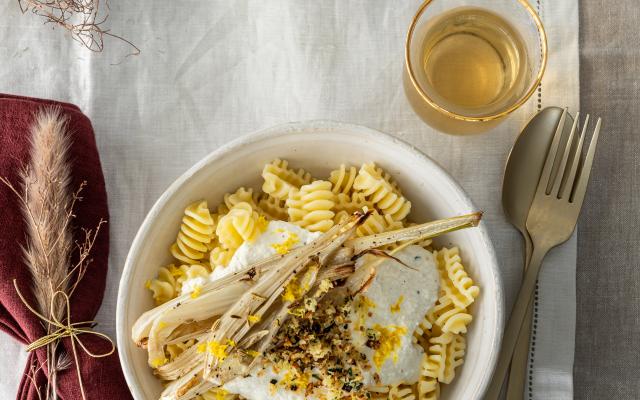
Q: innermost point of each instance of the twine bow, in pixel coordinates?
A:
(70, 330)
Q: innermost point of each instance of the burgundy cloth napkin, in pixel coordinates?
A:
(102, 377)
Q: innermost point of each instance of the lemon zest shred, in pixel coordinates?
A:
(291, 378)
(158, 362)
(217, 349)
(390, 338)
(291, 290)
(196, 292)
(202, 347)
(254, 319)
(285, 246)
(363, 305)
(395, 308)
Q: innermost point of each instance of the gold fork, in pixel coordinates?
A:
(551, 221)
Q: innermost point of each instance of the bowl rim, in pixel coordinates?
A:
(308, 127)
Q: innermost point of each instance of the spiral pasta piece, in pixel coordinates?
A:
(378, 188)
(342, 179)
(273, 208)
(428, 387)
(195, 233)
(435, 361)
(220, 257)
(164, 287)
(311, 207)
(168, 284)
(377, 223)
(239, 196)
(195, 271)
(448, 317)
(340, 217)
(445, 354)
(454, 279)
(351, 203)
(401, 392)
(280, 180)
(455, 357)
(241, 224)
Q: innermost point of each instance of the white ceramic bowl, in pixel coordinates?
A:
(318, 147)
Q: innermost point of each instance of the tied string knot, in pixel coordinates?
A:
(68, 329)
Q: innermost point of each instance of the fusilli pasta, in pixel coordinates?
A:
(455, 357)
(311, 207)
(445, 354)
(280, 180)
(195, 233)
(401, 392)
(273, 208)
(455, 281)
(239, 196)
(435, 360)
(164, 287)
(378, 188)
(352, 202)
(342, 179)
(428, 388)
(241, 224)
(448, 317)
(168, 284)
(220, 257)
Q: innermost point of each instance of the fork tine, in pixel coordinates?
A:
(570, 182)
(585, 171)
(551, 157)
(555, 191)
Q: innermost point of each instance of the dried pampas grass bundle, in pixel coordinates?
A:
(47, 202)
(47, 209)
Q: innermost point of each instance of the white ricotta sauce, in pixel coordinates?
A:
(190, 285)
(277, 232)
(418, 283)
(257, 386)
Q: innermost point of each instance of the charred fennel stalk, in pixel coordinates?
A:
(423, 231)
(220, 369)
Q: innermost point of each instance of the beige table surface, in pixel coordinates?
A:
(607, 358)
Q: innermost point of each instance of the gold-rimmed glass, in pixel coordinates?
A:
(470, 63)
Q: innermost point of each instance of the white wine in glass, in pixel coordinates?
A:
(468, 66)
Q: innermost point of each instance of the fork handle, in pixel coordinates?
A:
(518, 314)
(519, 362)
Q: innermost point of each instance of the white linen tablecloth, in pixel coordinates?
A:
(215, 70)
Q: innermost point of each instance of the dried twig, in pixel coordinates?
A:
(84, 19)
